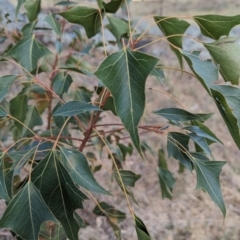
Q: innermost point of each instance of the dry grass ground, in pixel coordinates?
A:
(191, 215)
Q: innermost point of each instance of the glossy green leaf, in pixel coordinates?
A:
(26, 212)
(18, 109)
(177, 114)
(226, 53)
(27, 52)
(201, 142)
(5, 84)
(56, 26)
(3, 188)
(113, 5)
(118, 27)
(77, 166)
(205, 71)
(173, 26)
(61, 83)
(177, 147)
(3, 112)
(227, 99)
(88, 17)
(166, 178)
(33, 7)
(75, 107)
(125, 73)
(208, 179)
(61, 196)
(215, 26)
(141, 229)
(129, 178)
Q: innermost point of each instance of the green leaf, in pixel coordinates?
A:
(19, 5)
(18, 109)
(65, 3)
(32, 119)
(77, 166)
(61, 196)
(75, 107)
(172, 26)
(3, 112)
(50, 19)
(158, 73)
(6, 83)
(75, 69)
(166, 178)
(33, 7)
(118, 27)
(226, 53)
(215, 26)
(113, 5)
(61, 83)
(113, 215)
(129, 178)
(26, 212)
(208, 179)
(201, 142)
(28, 29)
(177, 114)
(27, 52)
(227, 99)
(88, 17)
(177, 147)
(205, 71)
(141, 229)
(125, 73)
(3, 188)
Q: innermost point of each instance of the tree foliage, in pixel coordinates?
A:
(50, 109)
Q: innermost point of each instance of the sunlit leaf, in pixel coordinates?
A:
(226, 53)
(75, 107)
(125, 73)
(170, 28)
(205, 71)
(227, 99)
(166, 178)
(26, 212)
(76, 164)
(215, 26)
(177, 147)
(61, 196)
(88, 17)
(6, 83)
(27, 52)
(208, 179)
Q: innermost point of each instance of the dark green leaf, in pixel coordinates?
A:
(27, 52)
(201, 142)
(177, 114)
(158, 73)
(33, 7)
(226, 54)
(26, 212)
(61, 196)
(50, 19)
(227, 99)
(215, 26)
(88, 17)
(28, 29)
(77, 166)
(3, 188)
(125, 73)
(177, 147)
(141, 229)
(166, 178)
(205, 71)
(65, 3)
(80, 221)
(129, 178)
(75, 69)
(172, 26)
(208, 179)
(61, 83)
(113, 5)
(6, 83)
(109, 106)
(75, 107)
(3, 112)
(18, 109)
